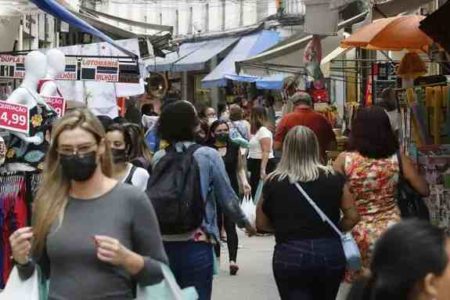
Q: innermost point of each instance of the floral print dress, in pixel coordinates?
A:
(373, 182)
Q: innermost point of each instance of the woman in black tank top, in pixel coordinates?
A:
(219, 139)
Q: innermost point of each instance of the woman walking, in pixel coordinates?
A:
(220, 140)
(260, 155)
(191, 253)
(372, 169)
(308, 261)
(121, 144)
(92, 236)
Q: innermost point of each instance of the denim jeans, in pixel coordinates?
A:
(309, 269)
(192, 264)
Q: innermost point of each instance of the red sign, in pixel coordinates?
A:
(58, 104)
(14, 117)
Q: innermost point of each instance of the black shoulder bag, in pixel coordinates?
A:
(409, 201)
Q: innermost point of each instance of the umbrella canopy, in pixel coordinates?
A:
(396, 33)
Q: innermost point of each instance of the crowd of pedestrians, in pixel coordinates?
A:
(115, 204)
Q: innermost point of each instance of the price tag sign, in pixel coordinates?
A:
(58, 104)
(14, 117)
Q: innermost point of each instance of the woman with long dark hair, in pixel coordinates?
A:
(372, 169)
(308, 260)
(260, 153)
(92, 236)
(219, 139)
(410, 262)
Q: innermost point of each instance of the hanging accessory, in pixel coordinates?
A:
(351, 250)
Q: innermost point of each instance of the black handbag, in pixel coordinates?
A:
(409, 201)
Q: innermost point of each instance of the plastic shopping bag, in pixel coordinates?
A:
(17, 288)
(249, 209)
(168, 289)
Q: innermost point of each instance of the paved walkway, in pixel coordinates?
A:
(254, 279)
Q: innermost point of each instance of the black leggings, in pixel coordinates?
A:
(232, 237)
(254, 167)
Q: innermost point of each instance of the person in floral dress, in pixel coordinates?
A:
(372, 169)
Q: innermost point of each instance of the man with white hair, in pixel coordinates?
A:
(304, 114)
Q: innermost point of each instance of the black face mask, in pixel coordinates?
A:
(119, 155)
(79, 168)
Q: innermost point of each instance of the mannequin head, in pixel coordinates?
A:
(56, 62)
(35, 65)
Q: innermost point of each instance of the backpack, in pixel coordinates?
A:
(175, 191)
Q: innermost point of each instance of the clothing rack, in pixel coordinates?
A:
(17, 191)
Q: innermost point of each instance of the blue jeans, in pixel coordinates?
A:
(192, 264)
(309, 269)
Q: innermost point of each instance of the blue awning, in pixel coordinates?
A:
(190, 56)
(247, 47)
(60, 12)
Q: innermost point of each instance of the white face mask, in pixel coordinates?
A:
(211, 120)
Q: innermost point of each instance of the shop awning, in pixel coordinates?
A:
(248, 46)
(190, 56)
(59, 11)
(287, 56)
(395, 7)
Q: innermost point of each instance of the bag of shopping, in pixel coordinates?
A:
(249, 209)
(168, 289)
(19, 289)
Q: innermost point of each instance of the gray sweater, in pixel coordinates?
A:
(70, 260)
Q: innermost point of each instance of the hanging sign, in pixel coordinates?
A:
(100, 69)
(14, 117)
(71, 70)
(12, 66)
(125, 70)
(58, 104)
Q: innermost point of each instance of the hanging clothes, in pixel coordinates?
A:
(14, 214)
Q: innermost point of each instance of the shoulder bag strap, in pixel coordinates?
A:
(322, 215)
(130, 175)
(400, 165)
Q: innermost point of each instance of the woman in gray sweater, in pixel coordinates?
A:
(92, 236)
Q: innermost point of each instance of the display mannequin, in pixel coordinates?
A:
(56, 64)
(25, 151)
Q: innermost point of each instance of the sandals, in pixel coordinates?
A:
(234, 268)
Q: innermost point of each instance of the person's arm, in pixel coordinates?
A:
(413, 177)
(225, 195)
(147, 241)
(280, 133)
(242, 175)
(339, 163)
(351, 216)
(266, 144)
(262, 221)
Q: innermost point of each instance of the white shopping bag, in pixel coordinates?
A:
(249, 209)
(18, 289)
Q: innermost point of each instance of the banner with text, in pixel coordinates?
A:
(100, 69)
(12, 66)
(14, 117)
(58, 104)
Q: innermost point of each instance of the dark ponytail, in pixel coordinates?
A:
(403, 256)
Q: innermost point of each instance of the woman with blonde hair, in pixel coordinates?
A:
(308, 260)
(92, 236)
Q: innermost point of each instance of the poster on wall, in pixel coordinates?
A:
(12, 66)
(14, 117)
(100, 69)
(58, 104)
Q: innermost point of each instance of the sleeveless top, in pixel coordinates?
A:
(373, 182)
